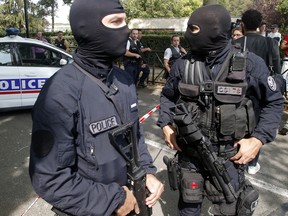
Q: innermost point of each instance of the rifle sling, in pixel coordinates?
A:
(109, 95)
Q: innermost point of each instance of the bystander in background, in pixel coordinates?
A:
(38, 52)
(283, 129)
(132, 58)
(275, 34)
(236, 33)
(144, 50)
(172, 53)
(262, 29)
(261, 46)
(61, 42)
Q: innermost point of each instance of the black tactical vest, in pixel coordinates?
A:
(60, 44)
(224, 112)
(134, 48)
(175, 56)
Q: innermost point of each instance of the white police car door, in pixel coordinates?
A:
(10, 92)
(38, 63)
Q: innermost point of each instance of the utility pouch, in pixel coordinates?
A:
(237, 71)
(247, 201)
(213, 194)
(173, 172)
(192, 186)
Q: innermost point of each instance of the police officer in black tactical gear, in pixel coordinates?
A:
(218, 107)
(73, 165)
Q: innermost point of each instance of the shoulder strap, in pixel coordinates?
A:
(193, 72)
(107, 91)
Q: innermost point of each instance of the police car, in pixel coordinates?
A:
(23, 72)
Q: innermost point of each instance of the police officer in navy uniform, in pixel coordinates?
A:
(61, 42)
(132, 58)
(172, 53)
(230, 102)
(73, 165)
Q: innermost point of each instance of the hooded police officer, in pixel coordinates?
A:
(218, 108)
(73, 165)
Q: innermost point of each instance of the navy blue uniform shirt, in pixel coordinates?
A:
(73, 165)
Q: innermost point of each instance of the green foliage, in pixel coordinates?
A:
(159, 43)
(159, 8)
(11, 14)
(282, 8)
(236, 8)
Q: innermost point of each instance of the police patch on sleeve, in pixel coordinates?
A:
(271, 83)
(103, 125)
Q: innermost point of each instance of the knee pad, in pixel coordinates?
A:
(247, 200)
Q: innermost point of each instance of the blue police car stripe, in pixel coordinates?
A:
(18, 86)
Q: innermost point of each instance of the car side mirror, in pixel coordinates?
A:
(63, 62)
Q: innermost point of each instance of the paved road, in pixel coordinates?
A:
(17, 195)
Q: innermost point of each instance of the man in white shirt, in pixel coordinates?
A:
(275, 34)
(172, 53)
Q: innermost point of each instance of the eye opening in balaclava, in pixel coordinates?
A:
(98, 45)
(214, 23)
(114, 18)
(195, 29)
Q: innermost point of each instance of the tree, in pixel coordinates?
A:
(268, 11)
(11, 14)
(282, 8)
(159, 8)
(49, 8)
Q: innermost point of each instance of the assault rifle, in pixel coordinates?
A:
(190, 134)
(136, 174)
(217, 169)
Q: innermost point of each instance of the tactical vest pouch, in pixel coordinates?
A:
(250, 116)
(237, 72)
(227, 119)
(240, 123)
(192, 185)
(188, 90)
(213, 194)
(247, 201)
(246, 125)
(237, 122)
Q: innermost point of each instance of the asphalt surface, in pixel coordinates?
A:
(18, 198)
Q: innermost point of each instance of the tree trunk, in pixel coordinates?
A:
(53, 16)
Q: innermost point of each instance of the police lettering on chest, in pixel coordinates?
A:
(103, 125)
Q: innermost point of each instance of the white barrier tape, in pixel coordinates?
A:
(144, 117)
(31, 205)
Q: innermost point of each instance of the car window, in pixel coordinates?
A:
(39, 56)
(5, 54)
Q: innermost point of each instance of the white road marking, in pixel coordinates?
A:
(269, 187)
(258, 183)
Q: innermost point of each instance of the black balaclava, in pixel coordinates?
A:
(98, 45)
(214, 22)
